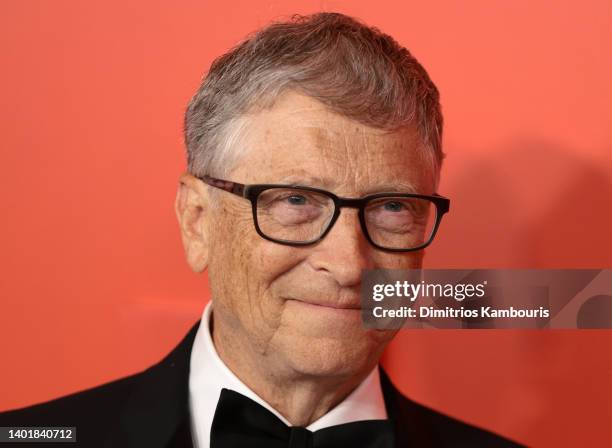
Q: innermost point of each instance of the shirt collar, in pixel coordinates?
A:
(208, 374)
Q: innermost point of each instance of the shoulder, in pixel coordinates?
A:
(98, 400)
(92, 411)
(419, 425)
(143, 409)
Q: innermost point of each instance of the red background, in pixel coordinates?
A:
(94, 285)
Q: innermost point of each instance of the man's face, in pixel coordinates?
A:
(267, 295)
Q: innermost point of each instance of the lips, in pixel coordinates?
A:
(349, 304)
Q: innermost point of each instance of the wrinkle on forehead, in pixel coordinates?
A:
(301, 133)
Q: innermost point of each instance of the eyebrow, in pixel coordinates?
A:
(325, 183)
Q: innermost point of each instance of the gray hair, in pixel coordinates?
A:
(355, 70)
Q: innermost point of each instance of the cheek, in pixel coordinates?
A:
(243, 270)
(230, 243)
(268, 266)
(409, 260)
(277, 259)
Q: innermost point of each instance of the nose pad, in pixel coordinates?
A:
(346, 239)
(344, 252)
(355, 222)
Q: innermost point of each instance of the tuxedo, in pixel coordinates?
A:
(150, 410)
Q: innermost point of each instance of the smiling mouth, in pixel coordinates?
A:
(335, 306)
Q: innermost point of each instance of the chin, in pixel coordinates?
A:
(330, 356)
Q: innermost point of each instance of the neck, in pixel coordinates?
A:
(301, 399)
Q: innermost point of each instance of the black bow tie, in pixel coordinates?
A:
(240, 422)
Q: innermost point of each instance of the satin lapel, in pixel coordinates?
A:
(156, 414)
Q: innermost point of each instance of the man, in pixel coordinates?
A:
(314, 152)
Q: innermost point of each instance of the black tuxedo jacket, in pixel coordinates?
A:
(150, 410)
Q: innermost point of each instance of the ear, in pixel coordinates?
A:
(192, 206)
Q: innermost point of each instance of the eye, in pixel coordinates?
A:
(296, 199)
(393, 206)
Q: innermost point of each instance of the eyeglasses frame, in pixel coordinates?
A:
(252, 192)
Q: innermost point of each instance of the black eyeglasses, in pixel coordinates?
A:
(297, 216)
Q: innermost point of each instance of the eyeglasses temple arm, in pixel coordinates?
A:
(232, 187)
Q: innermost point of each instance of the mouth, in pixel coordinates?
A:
(353, 305)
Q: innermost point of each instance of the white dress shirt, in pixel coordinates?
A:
(208, 375)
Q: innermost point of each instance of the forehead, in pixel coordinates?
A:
(300, 140)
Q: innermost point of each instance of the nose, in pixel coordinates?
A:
(344, 252)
